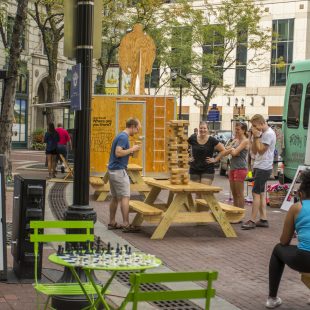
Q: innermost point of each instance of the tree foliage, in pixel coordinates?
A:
(48, 15)
(120, 16)
(205, 41)
(214, 44)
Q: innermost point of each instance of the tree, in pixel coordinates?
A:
(14, 48)
(119, 18)
(208, 47)
(48, 15)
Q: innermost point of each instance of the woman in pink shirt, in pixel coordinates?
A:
(64, 139)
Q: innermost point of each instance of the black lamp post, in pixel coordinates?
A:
(80, 210)
(187, 78)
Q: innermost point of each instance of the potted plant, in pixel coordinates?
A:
(277, 193)
(37, 139)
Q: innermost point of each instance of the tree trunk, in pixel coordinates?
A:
(9, 90)
(205, 111)
(51, 81)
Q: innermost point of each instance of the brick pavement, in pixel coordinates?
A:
(242, 262)
(14, 294)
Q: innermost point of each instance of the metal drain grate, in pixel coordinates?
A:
(57, 200)
(58, 207)
(123, 277)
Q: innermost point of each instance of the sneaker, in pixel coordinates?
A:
(248, 225)
(262, 223)
(273, 302)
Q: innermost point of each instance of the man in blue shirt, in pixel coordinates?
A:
(118, 177)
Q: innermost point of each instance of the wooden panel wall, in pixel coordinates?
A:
(158, 111)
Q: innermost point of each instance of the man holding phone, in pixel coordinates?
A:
(263, 141)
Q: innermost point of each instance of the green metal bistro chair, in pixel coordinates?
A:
(51, 289)
(135, 294)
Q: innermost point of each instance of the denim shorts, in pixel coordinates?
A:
(260, 178)
(119, 183)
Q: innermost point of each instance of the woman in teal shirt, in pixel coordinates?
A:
(297, 256)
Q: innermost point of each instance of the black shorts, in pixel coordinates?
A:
(62, 149)
(52, 152)
(260, 178)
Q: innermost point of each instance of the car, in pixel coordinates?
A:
(224, 162)
(223, 136)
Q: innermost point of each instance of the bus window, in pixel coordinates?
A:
(294, 102)
(307, 106)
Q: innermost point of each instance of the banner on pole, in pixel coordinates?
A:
(76, 88)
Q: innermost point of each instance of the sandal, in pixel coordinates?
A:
(130, 229)
(114, 226)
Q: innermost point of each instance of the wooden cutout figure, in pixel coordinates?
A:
(137, 53)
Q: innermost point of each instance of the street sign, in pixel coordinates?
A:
(76, 88)
(213, 115)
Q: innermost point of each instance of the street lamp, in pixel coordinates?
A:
(186, 78)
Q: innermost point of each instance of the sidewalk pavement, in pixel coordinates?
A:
(242, 262)
(20, 295)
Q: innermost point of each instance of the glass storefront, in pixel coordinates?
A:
(20, 121)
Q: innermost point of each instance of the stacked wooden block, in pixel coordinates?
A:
(178, 152)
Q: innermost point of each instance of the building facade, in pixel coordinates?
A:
(251, 91)
(32, 86)
(262, 91)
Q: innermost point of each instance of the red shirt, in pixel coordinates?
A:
(64, 137)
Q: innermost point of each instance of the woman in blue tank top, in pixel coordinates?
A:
(297, 256)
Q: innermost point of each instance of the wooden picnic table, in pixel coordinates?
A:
(179, 207)
(102, 186)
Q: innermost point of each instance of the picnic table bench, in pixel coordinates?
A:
(102, 187)
(233, 214)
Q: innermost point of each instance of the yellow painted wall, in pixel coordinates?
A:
(154, 114)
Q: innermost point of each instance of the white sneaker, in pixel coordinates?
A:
(273, 302)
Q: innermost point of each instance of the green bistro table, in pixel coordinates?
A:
(140, 262)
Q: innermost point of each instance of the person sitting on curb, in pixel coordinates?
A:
(297, 256)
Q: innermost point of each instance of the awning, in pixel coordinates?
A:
(54, 105)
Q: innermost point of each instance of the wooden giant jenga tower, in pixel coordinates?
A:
(178, 152)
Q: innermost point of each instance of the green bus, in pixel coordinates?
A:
(296, 117)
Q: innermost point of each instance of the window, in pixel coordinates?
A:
(213, 50)
(68, 118)
(181, 52)
(241, 58)
(282, 50)
(294, 102)
(307, 107)
(99, 85)
(19, 123)
(22, 84)
(152, 80)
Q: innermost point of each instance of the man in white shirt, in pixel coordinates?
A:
(262, 146)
